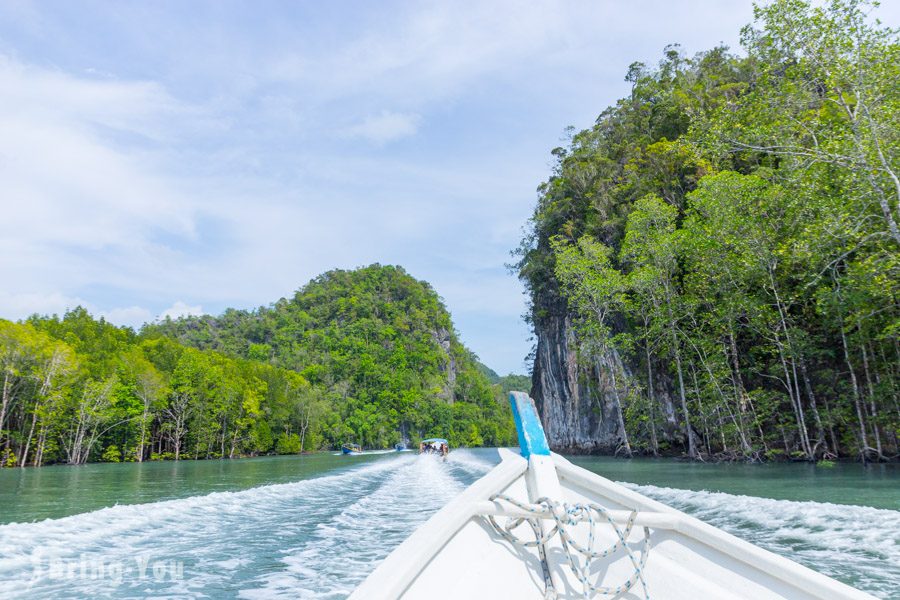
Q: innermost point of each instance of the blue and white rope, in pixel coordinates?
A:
(579, 557)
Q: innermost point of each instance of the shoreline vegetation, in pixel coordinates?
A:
(723, 248)
(368, 356)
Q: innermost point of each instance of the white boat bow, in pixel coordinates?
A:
(538, 527)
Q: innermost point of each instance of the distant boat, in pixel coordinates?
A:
(435, 446)
(351, 449)
(537, 526)
(400, 447)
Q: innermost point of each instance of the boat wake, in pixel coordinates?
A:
(315, 538)
(858, 545)
(344, 548)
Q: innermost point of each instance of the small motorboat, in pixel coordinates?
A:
(351, 449)
(400, 447)
(438, 446)
(538, 527)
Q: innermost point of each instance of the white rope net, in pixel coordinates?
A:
(565, 518)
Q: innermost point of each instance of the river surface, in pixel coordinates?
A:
(314, 526)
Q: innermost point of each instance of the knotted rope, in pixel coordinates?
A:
(579, 557)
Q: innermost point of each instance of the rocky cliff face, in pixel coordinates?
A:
(443, 338)
(577, 402)
(576, 418)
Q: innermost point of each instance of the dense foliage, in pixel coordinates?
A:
(76, 389)
(367, 356)
(731, 229)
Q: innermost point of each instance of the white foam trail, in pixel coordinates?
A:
(471, 463)
(349, 545)
(858, 545)
(313, 538)
(205, 532)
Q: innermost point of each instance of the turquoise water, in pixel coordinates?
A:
(59, 491)
(877, 486)
(314, 526)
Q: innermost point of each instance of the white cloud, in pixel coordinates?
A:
(385, 127)
(75, 177)
(132, 316)
(22, 305)
(18, 305)
(181, 309)
(429, 49)
(91, 204)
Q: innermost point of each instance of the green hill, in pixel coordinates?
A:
(380, 347)
(368, 356)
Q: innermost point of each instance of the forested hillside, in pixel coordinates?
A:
(380, 346)
(367, 356)
(714, 265)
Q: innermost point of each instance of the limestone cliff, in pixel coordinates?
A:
(576, 398)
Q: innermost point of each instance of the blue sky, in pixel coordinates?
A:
(178, 157)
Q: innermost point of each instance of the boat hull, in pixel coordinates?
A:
(537, 522)
(458, 554)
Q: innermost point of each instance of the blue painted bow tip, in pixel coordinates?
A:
(531, 433)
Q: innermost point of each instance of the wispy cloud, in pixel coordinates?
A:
(385, 127)
(181, 309)
(77, 160)
(22, 304)
(133, 316)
